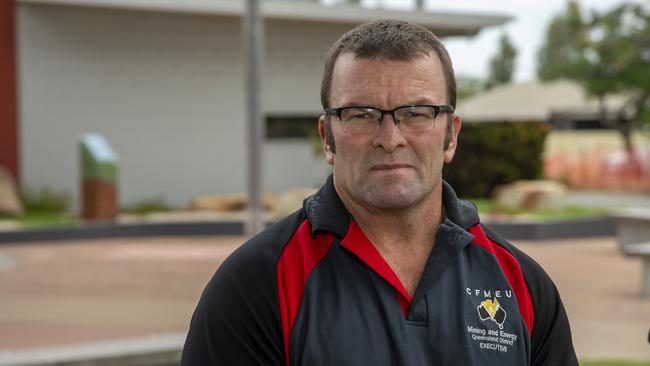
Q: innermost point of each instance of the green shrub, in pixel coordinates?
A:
(490, 154)
(147, 206)
(45, 200)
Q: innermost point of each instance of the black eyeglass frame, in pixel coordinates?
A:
(437, 109)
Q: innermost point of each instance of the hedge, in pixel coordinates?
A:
(490, 154)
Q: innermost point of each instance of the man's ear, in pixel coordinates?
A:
(453, 141)
(327, 145)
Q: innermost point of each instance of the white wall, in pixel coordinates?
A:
(167, 92)
(294, 67)
(295, 57)
(291, 163)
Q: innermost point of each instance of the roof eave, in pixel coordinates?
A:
(442, 23)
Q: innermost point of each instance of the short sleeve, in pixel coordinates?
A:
(236, 321)
(551, 343)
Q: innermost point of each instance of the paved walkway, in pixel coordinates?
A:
(84, 291)
(601, 290)
(608, 199)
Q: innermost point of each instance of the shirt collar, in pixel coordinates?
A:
(326, 212)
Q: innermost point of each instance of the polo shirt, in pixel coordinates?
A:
(313, 290)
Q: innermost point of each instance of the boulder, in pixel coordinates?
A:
(9, 200)
(291, 200)
(229, 202)
(531, 194)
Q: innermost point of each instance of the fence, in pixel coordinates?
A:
(597, 160)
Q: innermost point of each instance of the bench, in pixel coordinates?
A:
(633, 231)
(641, 250)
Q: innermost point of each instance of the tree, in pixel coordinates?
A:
(468, 86)
(608, 54)
(502, 65)
(618, 56)
(562, 55)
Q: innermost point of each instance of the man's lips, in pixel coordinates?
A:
(389, 166)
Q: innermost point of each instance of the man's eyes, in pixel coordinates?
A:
(417, 114)
(363, 115)
(412, 114)
(359, 115)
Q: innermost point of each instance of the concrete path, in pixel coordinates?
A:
(61, 294)
(607, 199)
(601, 290)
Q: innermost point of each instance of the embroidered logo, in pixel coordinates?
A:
(491, 309)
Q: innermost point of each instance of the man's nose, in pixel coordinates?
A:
(388, 135)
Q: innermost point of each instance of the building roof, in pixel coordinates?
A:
(533, 101)
(441, 23)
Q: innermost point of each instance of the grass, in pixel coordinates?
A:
(615, 363)
(43, 207)
(45, 199)
(46, 209)
(35, 218)
(147, 206)
(38, 219)
(488, 207)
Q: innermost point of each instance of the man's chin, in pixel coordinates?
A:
(393, 197)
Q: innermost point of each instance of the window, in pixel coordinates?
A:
(291, 127)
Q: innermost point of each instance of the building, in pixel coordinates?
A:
(564, 104)
(582, 148)
(163, 81)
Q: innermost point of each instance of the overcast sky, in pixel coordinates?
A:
(471, 55)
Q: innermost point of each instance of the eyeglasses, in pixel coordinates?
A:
(409, 118)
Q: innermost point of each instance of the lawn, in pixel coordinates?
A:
(48, 210)
(487, 208)
(37, 219)
(615, 363)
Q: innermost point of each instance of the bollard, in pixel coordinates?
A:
(99, 178)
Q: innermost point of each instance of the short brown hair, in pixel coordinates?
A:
(388, 39)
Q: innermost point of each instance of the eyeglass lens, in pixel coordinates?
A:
(410, 118)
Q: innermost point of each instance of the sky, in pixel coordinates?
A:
(471, 56)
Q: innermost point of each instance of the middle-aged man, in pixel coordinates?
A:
(384, 265)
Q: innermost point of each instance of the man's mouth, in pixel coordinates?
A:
(389, 166)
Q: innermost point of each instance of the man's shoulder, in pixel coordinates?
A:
(264, 249)
(248, 274)
(539, 283)
(551, 337)
(237, 319)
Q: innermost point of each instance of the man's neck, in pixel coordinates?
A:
(398, 229)
(405, 237)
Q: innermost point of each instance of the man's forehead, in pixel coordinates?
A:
(355, 75)
(351, 65)
(350, 56)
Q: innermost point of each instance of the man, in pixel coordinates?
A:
(384, 265)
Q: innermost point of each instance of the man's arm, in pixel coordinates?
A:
(236, 321)
(551, 343)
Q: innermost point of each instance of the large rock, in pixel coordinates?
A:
(229, 202)
(290, 201)
(531, 194)
(9, 201)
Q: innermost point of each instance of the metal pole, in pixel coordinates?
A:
(253, 53)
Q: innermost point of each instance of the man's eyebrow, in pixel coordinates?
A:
(427, 101)
(355, 104)
(423, 100)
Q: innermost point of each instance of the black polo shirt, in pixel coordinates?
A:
(313, 290)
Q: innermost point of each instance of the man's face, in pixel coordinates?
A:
(388, 169)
